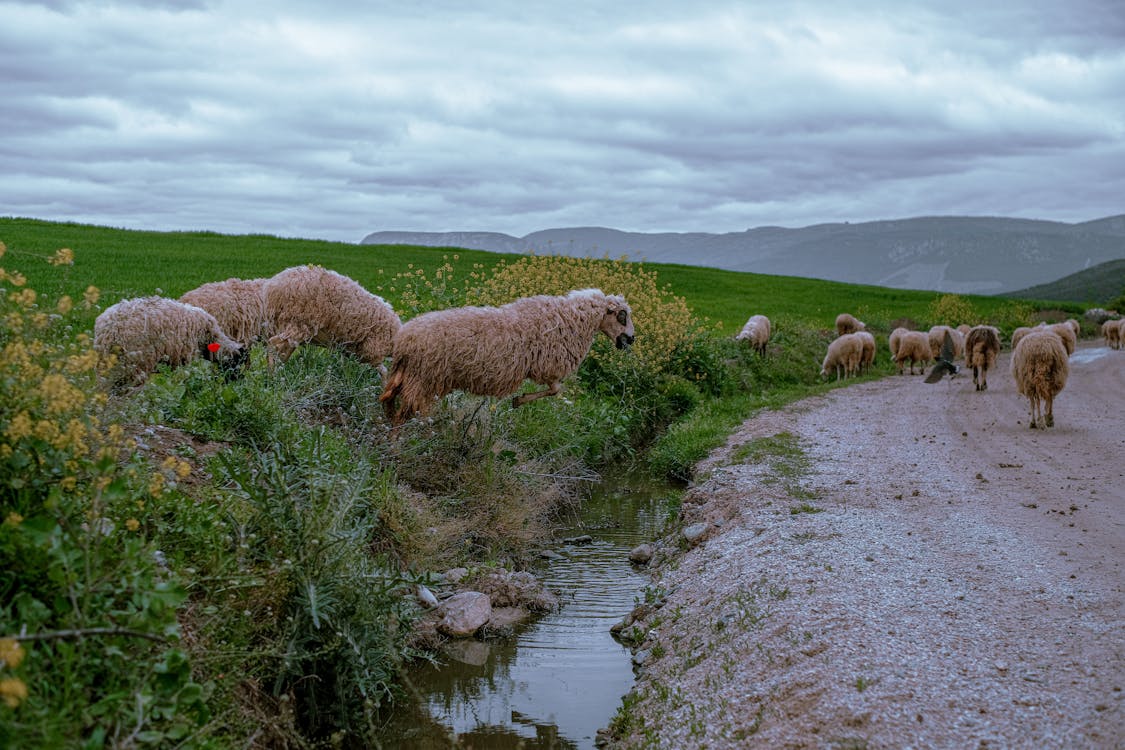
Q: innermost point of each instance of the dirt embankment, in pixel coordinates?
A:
(908, 565)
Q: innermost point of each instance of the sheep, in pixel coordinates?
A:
(1111, 330)
(1121, 333)
(964, 329)
(147, 331)
(1065, 332)
(490, 351)
(868, 357)
(756, 332)
(1018, 334)
(238, 304)
(844, 355)
(894, 339)
(311, 304)
(981, 347)
(845, 323)
(1075, 326)
(937, 337)
(915, 347)
(1040, 367)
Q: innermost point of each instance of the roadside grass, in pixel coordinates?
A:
(263, 589)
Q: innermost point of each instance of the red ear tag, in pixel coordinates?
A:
(213, 347)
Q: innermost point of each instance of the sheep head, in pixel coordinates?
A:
(617, 323)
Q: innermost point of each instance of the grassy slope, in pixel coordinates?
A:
(128, 263)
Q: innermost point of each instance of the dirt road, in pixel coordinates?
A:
(901, 565)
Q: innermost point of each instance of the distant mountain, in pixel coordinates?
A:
(978, 255)
(1098, 285)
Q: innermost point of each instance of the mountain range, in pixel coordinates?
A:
(958, 254)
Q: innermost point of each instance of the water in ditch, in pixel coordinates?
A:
(560, 679)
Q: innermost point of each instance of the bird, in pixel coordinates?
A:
(944, 361)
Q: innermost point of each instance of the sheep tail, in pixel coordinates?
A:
(391, 391)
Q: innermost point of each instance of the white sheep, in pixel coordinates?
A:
(756, 332)
(146, 332)
(490, 351)
(846, 323)
(1111, 330)
(1040, 367)
(1065, 332)
(964, 329)
(982, 346)
(1018, 334)
(844, 355)
(937, 338)
(238, 304)
(894, 339)
(311, 304)
(867, 358)
(913, 346)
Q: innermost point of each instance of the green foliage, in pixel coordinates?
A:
(952, 310)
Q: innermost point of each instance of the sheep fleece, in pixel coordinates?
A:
(490, 351)
(238, 304)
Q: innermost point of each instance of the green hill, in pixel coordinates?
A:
(1097, 285)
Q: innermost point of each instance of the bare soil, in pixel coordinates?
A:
(938, 575)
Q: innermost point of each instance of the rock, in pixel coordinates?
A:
(473, 653)
(425, 597)
(505, 620)
(641, 554)
(453, 575)
(641, 657)
(547, 554)
(520, 589)
(579, 540)
(462, 614)
(695, 533)
(602, 737)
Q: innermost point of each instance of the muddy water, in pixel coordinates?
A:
(555, 683)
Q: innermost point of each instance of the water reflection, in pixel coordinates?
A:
(562, 678)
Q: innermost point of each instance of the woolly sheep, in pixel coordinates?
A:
(1111, 330)
(1018, 334)
(1121, 333)
(894, 339)
(846, 323)
(1065, 332)
(982, 345)
(148, 331)
(964, 329)
(1075, 326)
(756, 332)
(311, 304)
(1040, 367)
(937, 337)
(238, 304)
(844, 355)
(915, 347)
(867, 358)
(490, 351)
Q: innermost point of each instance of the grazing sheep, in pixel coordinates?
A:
(845, 323)
(1075, 326)
(964, 329)
(1121, 334)
(868, 357)
(756, 332)
(148, 331)
(1065, 332)
(238, 304)
(844, 355)
(1018, 334)
(1040, 367)
(915, 347)
(311, 304)
(490, 351)
(981, 347)
(1111, 330)
(894, 339)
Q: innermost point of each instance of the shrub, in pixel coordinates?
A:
(952, 310)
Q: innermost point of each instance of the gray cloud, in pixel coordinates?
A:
(331, 121)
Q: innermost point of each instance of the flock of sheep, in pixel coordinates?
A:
(1040, 355)
(486, 351)
(490, 351)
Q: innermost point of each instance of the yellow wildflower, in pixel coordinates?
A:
(13, 691)
(17, 278)
(132, 524)
(65, 305)
(13, 519)
(68, 484)
(64, 256)
(3, 249)
(183, 468)
(11, 652)
(156, 485)
(90, 297)
(20, 427)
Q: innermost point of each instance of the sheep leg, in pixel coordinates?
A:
(282, 346)
(1049, 419)
(552, 390)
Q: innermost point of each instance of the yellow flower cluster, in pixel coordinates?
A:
(13, 691)
(662, 320)
(64, 256)
(415, 291)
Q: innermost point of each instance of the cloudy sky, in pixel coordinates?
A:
(334, 119)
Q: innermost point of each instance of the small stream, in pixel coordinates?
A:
(560, 679)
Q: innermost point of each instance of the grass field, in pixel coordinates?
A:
(128, 263)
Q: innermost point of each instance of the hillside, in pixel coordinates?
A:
(965, 255)
(1097, 285)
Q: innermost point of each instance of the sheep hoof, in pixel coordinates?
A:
(1050, 421)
